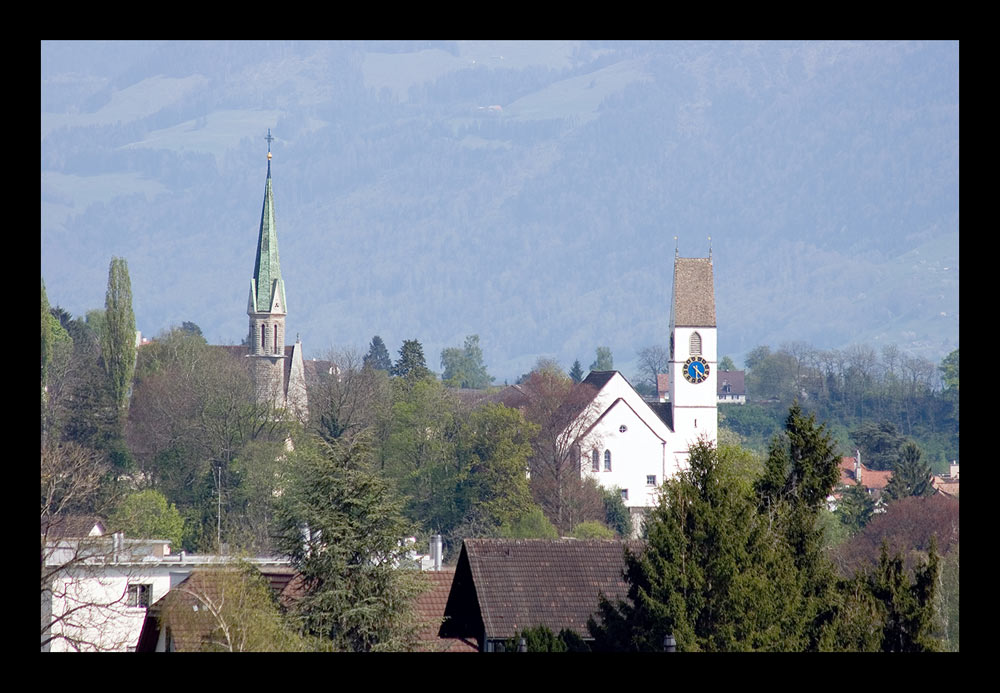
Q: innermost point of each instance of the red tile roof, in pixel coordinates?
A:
(870, 478)
(429, 608)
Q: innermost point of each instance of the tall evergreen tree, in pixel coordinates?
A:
(911, 476)
(801, 470)
(118, 333)
(411, 363)
(342, 526)
(378, 356)
(711, 574)
(576, 372)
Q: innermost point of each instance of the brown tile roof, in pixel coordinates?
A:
(870, 478)
(694, 292)
(522, 583)
(429, 608)
(945, 486)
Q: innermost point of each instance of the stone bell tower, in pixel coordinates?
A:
(266, 305)
(693, 355)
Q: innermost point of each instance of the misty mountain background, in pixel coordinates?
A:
(527, 192)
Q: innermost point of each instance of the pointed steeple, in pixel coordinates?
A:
(267, 290)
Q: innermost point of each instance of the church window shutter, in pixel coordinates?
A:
(695, 344)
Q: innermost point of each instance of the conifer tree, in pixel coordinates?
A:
(378, 356)
(118, 333)
(411, 363)
(911, 476)
(576, 372)
(343, 527)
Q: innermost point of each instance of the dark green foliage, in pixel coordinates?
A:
(343, 527)
(378, 356)
(118, 333)
(906, 606)
(733, 566)
(616, 515)
(576, 372)
(191, 329)
(726, 364)
(879, 443)
(911, 476)
(711, 574)
(542, 639)
(463, 367)
(411, 363)
(855, 508)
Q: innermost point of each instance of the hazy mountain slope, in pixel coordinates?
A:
(826, 175)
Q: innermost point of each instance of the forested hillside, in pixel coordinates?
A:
(529, 193)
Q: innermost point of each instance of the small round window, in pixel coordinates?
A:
(622, 428)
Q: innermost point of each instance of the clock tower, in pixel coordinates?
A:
(693, 355)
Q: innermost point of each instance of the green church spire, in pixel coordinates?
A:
(267, 291)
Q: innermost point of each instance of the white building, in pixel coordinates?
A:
(630, 444)
(96, 588)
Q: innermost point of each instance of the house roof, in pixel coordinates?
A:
(945, 485)
(503, 586)
(870, 478)
(190, 636)
(72, 526)
(429, 608)
(694, 292)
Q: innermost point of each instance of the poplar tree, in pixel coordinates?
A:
(118, 333)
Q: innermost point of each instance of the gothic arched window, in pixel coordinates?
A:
(607, 460)
(595, 460)
(695, 344)
(263, 337)
(276, 338)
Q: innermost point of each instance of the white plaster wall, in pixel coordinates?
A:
(108, 622)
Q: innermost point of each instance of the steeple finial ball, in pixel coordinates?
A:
(269, 156)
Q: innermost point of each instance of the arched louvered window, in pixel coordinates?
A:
(695, 344)
(276, 338)
(263, 336)
(607, 460)
(595, 460)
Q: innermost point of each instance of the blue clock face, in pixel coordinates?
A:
(695, 370)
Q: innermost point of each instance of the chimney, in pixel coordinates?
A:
(436, 552)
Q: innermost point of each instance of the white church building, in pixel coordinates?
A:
(633, 445)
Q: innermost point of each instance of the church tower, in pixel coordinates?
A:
(266, 305)
(693, 355)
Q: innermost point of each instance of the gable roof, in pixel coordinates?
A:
(870, 478)
(72, 526)
(503, 586)
(429, 608)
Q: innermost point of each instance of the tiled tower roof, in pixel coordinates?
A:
(694, 292)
